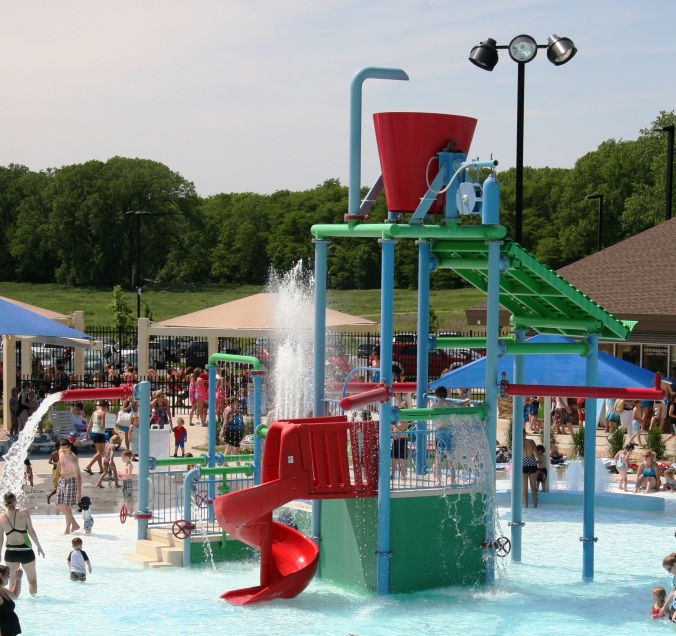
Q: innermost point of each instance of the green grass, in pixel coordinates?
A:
(448, 305)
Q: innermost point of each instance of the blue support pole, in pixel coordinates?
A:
(517, 453)
(142, 393)
(588, 539)
(257, 406)
(383, 553)
(318, 375)
(211, 433)
(358, 79)
(192, 475)
(424, 251)
(492, 384)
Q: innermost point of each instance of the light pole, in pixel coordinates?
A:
(670, 164)
(598, 196)
(522, 49)
(139, 214)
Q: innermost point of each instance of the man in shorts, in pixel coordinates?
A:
(661, 408)
(69, 486)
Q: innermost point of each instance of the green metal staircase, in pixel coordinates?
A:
(538, 298)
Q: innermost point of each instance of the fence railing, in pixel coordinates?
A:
(420, 459)
(166, 497)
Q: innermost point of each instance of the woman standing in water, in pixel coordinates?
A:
(96, 431)
(16, 526)
(9, 621)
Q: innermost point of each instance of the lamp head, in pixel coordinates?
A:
(665, 128)
(596, 195)
(560, 50)
(484, 55)
(523, 48)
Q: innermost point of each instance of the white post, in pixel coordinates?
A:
(78, 323)
(8, 375)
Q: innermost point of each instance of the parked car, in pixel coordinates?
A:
(170, 348)
(155, 356)
(93, 361)
(365, 349)
(197, 354)
(405, 357)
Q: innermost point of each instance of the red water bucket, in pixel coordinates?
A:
(406, 142)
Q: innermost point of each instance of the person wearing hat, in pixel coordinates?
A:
(161, 410)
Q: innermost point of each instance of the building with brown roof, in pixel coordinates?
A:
(634, 280)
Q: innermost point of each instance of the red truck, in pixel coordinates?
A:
(405, 357)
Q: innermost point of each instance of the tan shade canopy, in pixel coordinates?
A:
(254, 316)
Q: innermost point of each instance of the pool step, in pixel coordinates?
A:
(151, 549)
(173, 556)
(161, 548)
(139, 558)
(161, 535)
(160, 564)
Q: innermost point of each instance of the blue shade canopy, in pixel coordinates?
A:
(22, 323)
(551, 369)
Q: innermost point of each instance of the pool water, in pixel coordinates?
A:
(542, 595)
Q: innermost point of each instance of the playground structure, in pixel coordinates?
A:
(361, 534)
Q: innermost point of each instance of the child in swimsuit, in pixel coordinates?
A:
(622, 465)
(109, 461)
(659, 598)
(670, 482)
(28, 473)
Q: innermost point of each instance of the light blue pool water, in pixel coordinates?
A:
(542, 595)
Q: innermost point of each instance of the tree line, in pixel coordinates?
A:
(75, 224)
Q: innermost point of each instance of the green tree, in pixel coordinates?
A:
(123, 316)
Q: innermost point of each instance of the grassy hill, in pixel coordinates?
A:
(448, 305)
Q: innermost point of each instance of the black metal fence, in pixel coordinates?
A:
(173, 358)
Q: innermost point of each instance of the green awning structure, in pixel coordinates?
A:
(538, 298)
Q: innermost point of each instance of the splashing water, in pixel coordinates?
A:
(293, 317)
(573, 477)
(203, 531)
(472, 461)
(11, 479)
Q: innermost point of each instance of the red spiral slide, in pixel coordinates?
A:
(304, 458)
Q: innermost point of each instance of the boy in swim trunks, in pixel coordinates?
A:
(69, 486)
(78, 561)
(127, 484)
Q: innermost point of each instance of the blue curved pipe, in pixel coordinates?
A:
(358, 79)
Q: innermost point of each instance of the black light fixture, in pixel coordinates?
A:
(599, 196)
(522, 49)
(670, 164)
(560, 50)
(485, 55)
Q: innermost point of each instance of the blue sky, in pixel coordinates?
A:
(254, 96)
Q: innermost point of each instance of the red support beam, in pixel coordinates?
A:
(380, 394)
(510, 390)
(113, 393)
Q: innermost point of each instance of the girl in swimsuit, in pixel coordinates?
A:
(622, 464)
(16, 526)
